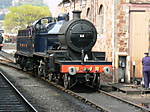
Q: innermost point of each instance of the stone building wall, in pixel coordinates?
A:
(124, 46)
(121, 26)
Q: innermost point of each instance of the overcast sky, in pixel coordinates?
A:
(53, 6)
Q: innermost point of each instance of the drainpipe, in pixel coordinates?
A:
(113, 41)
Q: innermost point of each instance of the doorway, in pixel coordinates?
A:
(122, 68)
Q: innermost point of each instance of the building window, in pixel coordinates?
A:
(101, 19)
(88, 14)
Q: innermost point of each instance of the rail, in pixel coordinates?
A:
(12, 99)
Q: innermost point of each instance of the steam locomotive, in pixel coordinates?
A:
(61, 51)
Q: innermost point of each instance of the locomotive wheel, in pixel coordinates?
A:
(35, 70)
(25, 69)
(55, 78)
(66, 81)
(41, 71)
(98, 84)
(22, 65)
(50, 77)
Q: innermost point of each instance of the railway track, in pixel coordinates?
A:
(102, 100)
(7, 56)
(11, 100)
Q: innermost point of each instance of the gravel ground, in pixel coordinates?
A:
(108, 102)
(139, 99)
(44, 97)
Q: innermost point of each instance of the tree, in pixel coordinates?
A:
(22, 16)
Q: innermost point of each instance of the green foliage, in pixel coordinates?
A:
(22, 16)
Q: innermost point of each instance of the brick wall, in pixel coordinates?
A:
(121, 26)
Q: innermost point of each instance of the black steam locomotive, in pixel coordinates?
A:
(61, 51)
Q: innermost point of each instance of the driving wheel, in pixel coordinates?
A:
(66, 81)
(98, 84)
(50, 76)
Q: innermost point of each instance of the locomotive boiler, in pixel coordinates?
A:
(61, 50)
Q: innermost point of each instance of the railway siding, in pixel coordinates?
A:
(11, 99)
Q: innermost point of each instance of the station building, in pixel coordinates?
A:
(123, 28)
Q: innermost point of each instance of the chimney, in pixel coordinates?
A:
(76, 14)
